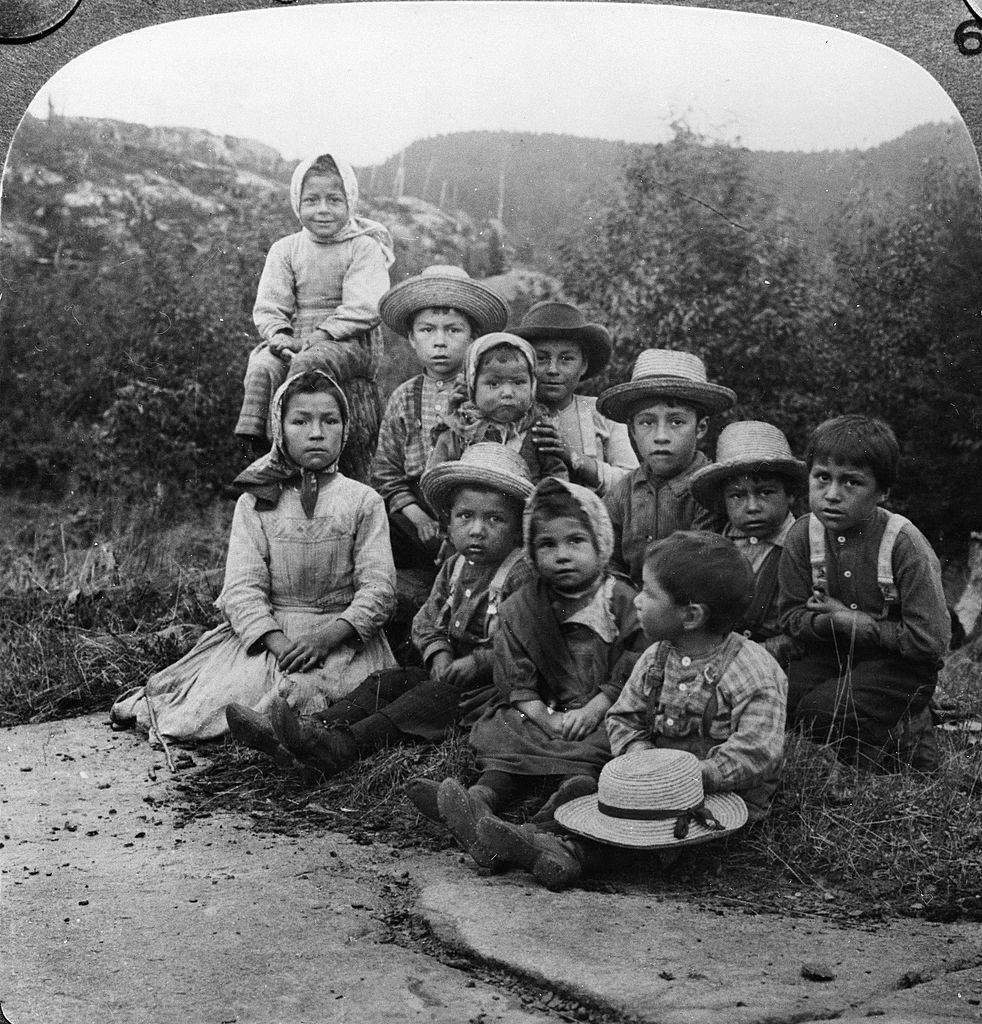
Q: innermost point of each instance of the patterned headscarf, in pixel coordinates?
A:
(356, 225)
(268, 475)
(593, 509)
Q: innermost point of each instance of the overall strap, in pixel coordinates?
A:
(884, 560)
(417, 400)
(715, 671)
(497, 584)
(816, 543)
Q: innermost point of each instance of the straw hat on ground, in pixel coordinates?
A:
(442, 286)
(747, 446)
(665, 373)
(562, 321)
(651, 799)
(487, 464)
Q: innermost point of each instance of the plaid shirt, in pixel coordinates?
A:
(727, 707)
(645, 509)
(405, 439)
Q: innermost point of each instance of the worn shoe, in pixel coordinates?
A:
(546, 856)
(461, 810)
(328, 751)
(422, 793)
(253, 730)
(569, 789)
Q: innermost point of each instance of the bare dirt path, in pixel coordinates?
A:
(108, 912)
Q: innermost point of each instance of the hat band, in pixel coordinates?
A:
(683, 816)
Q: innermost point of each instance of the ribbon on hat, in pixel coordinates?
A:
(683, 816)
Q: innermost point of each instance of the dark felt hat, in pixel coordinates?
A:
(562, 321)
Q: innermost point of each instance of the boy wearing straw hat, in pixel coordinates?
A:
(440, 311)
(481, 497)
(700, 689)
(755, 478)
(568, 350)
(666, 405)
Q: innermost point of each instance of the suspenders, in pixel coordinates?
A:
(495, 587)
(884, 558)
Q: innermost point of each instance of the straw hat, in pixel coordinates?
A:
(665, 373)
(487, 464)
(441, 285)
(747, 446)
(562, 321)
(653, 798)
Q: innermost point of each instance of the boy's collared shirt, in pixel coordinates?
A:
(920, 631)
(405, 441)
(644, 509)
(664, 704)
(755, 549)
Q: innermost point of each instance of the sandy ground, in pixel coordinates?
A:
(108, 912)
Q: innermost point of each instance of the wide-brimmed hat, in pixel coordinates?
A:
(562, 321)
(441, 285)
(747, 446)
(653, 798)
(487, 464)
(665, 373)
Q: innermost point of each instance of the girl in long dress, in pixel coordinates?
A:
(309, 583)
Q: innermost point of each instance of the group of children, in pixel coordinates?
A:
(623, 625)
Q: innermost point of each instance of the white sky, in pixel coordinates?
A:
(367, 79)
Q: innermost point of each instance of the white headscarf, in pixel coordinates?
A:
(356, 225)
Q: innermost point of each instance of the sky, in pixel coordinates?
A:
(366, 79)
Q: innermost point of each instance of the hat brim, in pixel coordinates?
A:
(583, 817)
(707, 483)
(615, 403)
(483, 306)
(439, 483)
(592, 338)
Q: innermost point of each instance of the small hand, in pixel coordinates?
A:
(546, 438)
(579, 723)
(305, 653)
(460, 672)
(427, 528)
(439, 665)
(283, 346)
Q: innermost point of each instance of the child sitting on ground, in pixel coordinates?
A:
(666, 405)
(860, 587)
(565, 645)
(440, 312)
(755, 478)
(319, 290)
(481, 496)
(499, 405)
(309, 582)
(597, 452)
(698, 688)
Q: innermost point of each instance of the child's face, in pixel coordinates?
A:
(312, 430)
(843, 496)
(440, 339)
(484, 525)
(559, 367)
(666, 434)
(565, 555)
(323, 206)
(659, 615)
(756, 506)
(503, 391)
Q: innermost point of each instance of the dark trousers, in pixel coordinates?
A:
(854, 701)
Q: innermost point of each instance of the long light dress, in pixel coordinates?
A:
(284, 571)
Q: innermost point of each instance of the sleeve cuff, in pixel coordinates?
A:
(255, 630)
(433, 649)
(519, 696)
